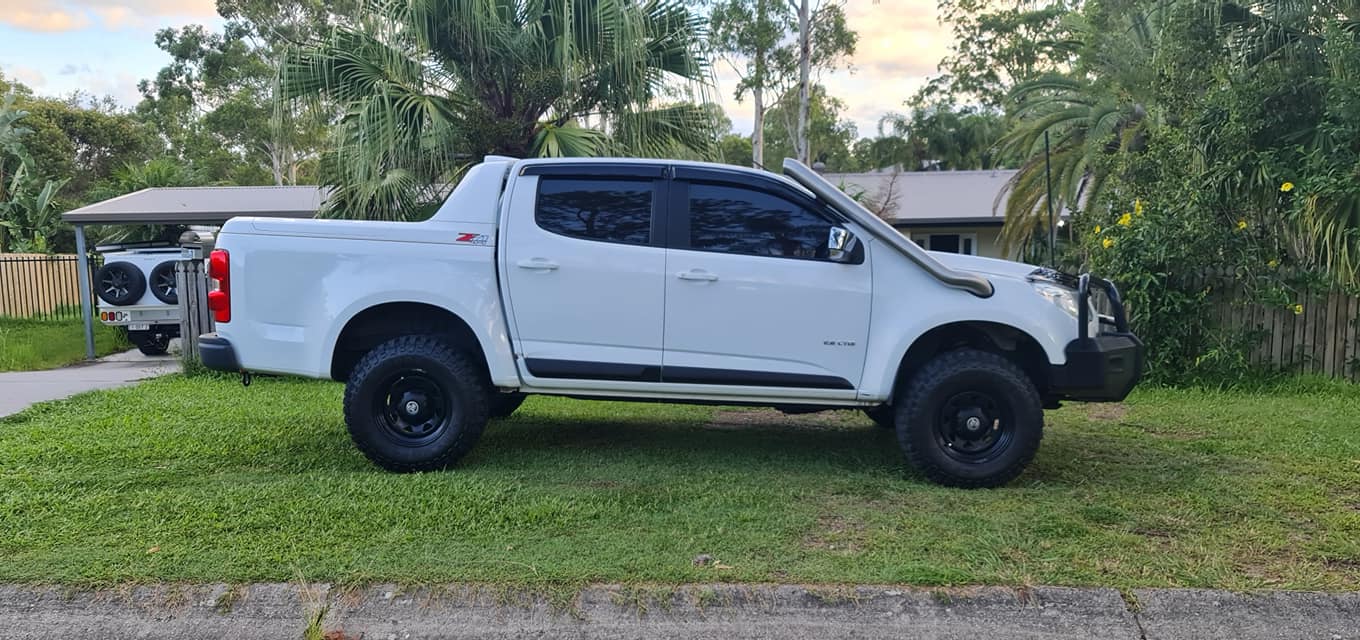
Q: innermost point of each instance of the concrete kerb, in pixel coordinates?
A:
(691, 611)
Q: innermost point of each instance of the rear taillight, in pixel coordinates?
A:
(219, 300)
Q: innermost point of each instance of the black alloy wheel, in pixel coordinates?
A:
(163, 284)
(973, 427)
(119, 283)
(412, 410)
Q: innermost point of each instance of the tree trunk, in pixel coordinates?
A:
(804, 74)
(758, 135)
(758, 96)
(293, 161)
(276, 164)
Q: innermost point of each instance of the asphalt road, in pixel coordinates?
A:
(20, 389)
(700, 611)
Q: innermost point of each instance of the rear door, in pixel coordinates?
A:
(584, 269)
(751, 297)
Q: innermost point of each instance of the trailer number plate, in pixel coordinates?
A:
(139, 326)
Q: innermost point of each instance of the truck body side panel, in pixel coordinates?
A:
(908, 303)
(293, 293)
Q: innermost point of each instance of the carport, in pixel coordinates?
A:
(182, 205)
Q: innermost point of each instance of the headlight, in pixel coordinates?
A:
(1065, 298)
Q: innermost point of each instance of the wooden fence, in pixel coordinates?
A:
(40, 286)
(191, 281)
(1321, 335)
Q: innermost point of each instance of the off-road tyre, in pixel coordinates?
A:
(884, 416)
(162, 283)
(502, 405)
(119, 283)
(943, 395)
(154, 345)
(449, 392)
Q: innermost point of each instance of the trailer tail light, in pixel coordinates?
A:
(219, 299)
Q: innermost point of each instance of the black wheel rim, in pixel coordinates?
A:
(412, 408)
(165, 284)
(974, 427)
(115, 284)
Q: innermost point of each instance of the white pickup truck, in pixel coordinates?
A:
(662, 280)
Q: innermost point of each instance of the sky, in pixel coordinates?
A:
(104, 47)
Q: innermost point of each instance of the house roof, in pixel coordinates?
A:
(200, 205)
(932, 198)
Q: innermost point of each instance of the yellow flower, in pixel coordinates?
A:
(1137, 207)
(1241, 224)
(1273, 263)
(1287, 187)
(1298, 309)
(1107, 243)
(1097, 228)
(1126, 220)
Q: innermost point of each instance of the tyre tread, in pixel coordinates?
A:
(475, 412)
(942, 367)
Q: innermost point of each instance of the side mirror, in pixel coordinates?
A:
(840, 244)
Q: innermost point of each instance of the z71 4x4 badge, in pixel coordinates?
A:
(474, 238)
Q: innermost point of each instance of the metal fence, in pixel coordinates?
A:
(42, 287)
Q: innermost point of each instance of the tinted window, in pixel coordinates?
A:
(737, 220)
(608, 209)
(951, 243)
(948, 243)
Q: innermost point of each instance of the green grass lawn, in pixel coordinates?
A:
(200, 479)
(29, 345)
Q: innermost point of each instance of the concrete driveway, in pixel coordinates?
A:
(21, 389)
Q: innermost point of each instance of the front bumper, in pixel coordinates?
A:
(217, 353)
(1104, 367)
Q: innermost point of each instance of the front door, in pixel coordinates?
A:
(585, 275)
(751, 298)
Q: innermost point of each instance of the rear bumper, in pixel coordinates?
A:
(1104, 367)
(217, 353)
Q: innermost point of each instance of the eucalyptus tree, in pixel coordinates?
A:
(427, 86)
(747, 33)
(777, 47)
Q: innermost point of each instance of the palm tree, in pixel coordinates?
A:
(944, 136)
(1064, 123)
(426, 86)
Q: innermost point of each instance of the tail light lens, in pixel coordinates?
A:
(219, 300)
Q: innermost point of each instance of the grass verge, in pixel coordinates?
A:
(30, 345)
(199, 479)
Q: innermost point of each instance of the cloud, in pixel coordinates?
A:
(71, 69)
(118, 17)
(121, 85)
(27, 75)
(900, 45)
(897, 39)
(112, 15)
(44, 19)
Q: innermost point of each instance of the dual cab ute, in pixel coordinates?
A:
(662, 280)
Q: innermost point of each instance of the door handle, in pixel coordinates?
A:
(537, 263)
(697, 274)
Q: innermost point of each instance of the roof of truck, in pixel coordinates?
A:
(200, 205)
